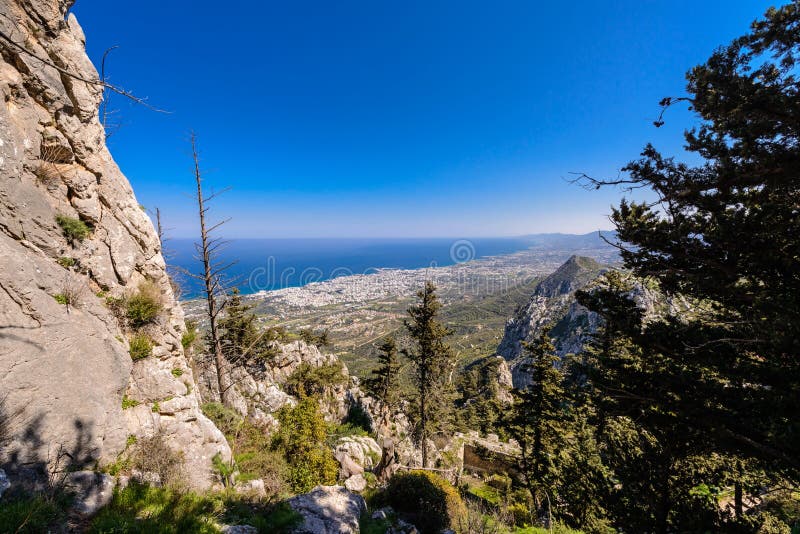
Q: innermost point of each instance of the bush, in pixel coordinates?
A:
(141, 346)
(427, 500)
(154, 456)
(143, 307)
(310, 380)
(66, 261)
(301, 439)
(74, 229)
(252, 449)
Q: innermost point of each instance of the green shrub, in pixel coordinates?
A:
(61, 298)
(177, 372)
(301, 439)
(143, 307)
(129, 403)
(310, 380)
(252, 446)
(156, 407)
(141, 346)
(74, 229)
(427, 500)
(66, 261)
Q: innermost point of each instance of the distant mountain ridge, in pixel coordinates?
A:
(571, 241)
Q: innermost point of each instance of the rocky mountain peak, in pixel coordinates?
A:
(573, 274)
(552, 304)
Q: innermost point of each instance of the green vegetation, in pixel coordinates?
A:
(253, 452)
(240, 338)
(61, 298)
(66, 261)
(321, 340)
(141, 346)
(314, 380)
(26, 514)
(75, 230)
(427, 500)
(177, 372)
(478, 406)
(301, 438)
(145, 509)
(433, 362)
(535, 421)
(190, 337)
(143, 307)
(383, 385)
(129, 403)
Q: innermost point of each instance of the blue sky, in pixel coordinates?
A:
(390, 119)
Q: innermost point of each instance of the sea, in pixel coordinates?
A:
(269, 264)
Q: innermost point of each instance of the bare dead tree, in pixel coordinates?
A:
(13, 43)
(212, 277)
(106, 114)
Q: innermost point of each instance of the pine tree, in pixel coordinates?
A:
(724, 236)
(433, 365)
(536, 421)
(383, 384)
(240, 337)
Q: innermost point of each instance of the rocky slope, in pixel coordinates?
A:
(64, 354)
(552, 303)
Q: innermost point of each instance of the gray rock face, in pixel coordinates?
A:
(92, 491)
(356, 454)
(64, 368)
(552, 303)
(328, 510)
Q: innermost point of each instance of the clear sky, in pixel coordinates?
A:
(416, 118)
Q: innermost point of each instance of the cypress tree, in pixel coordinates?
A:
(383, 384)
(536, 420)
(433, 364)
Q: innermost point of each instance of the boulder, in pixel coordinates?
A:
(356, 483)
(328, 510)
(356, 454)
(92, 491)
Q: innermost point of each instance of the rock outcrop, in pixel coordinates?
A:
(552, 303)
(328, 510)
(72, 235)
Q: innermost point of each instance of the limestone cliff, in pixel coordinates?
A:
(64, 355)
(552, 304)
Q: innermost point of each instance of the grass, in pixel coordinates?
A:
(177, 372)
(367, 525)
(486, 493)
(140, 509)
(141, 346)
(75, 230)
(33, 514)
(61, 299)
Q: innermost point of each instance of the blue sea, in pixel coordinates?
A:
(268, 264)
